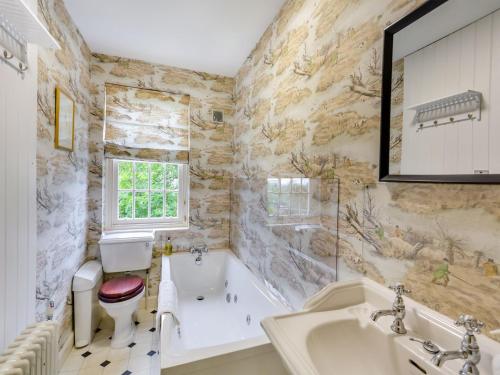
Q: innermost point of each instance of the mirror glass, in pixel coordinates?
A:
(445, 100)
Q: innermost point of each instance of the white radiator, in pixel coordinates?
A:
(34, 352)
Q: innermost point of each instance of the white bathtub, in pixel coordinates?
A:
(217, 336)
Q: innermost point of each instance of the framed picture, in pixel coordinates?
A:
(65, 121)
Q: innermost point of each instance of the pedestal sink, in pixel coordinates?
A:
(331, 345)
(334, 335)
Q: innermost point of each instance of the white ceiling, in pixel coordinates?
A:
(213, 36)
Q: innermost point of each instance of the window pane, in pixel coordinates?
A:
(285, 185)
(295, 204)
(172, 177)
(171, 204)
(141, 205)
(141, 176)
(273, 185)
(125, 175)
(296, 185)
(173, 184)
(304, 204)
(272, 204)
(172, 171)
(157, 176)
(284, 204)
(305, 185)
(125, 205)
(156, 204)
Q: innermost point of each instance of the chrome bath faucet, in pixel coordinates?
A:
(198, 251)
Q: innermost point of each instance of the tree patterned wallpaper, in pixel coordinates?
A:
(62, 182)
(210, 154)
(307, 103)
(69, 185)
(304, 103)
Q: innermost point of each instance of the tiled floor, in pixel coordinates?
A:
(140, 358)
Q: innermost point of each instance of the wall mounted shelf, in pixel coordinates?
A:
(463, 106)
(26, 23)
(19, 26)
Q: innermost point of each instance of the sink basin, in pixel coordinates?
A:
(330, 346)
(334, 335)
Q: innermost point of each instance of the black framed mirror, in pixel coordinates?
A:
(440, 119)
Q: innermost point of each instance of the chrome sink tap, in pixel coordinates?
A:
(198, 251)
(469, 349)
(398, 310)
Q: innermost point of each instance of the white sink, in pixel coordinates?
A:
(334, 335)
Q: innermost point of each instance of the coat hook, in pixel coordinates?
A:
(7, 55)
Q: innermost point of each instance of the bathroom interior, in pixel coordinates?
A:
(234, 187)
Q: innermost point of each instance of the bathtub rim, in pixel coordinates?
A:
(194, 356)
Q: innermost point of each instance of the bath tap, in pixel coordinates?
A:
(198, 250)
(398, 310)
(469, 349)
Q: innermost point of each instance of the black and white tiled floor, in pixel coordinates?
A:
(139, 358)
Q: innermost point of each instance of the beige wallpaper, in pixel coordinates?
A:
(61, 176)
(69, 185)
(307, 103)
(210, 155)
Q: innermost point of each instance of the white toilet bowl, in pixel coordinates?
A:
(122, 312)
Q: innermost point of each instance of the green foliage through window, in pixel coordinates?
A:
(125, 173)
(125, 205)
(156, 205)
(147, 190)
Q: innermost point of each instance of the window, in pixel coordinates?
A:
(288, 196)
(144, 194)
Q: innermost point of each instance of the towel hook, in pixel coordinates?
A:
(7, 55)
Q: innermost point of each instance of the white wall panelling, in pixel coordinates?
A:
(17, 199)
(468, 59)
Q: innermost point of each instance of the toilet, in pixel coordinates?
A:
(120, 296)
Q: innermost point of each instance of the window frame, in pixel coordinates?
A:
(290, 193)
(112, 222)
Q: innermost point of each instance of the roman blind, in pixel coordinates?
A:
(146, 124)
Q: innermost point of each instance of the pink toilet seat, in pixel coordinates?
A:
(121, 289)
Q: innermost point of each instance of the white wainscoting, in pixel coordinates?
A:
(468, 59)
(17, 199)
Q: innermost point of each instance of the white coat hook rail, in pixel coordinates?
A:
(464, 106)
(9, 59)
(13, 46)
(19, 25)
